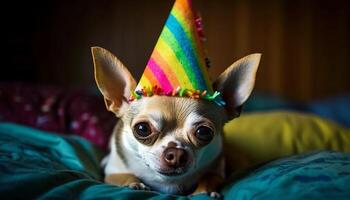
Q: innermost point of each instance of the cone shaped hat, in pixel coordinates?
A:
(177, 66)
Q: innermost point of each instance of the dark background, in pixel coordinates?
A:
(305, 44)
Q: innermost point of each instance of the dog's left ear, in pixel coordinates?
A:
(237, 82)
(113, 79)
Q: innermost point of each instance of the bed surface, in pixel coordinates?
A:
(42, 165)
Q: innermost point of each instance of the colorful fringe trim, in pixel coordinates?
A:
(180, 92)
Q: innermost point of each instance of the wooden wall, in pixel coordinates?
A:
(305, 44)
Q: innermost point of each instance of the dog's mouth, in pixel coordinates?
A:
(172, 172)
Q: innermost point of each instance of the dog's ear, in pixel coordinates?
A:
(113, 79)
(237, 82)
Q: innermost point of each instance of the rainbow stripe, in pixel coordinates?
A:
(178, 59)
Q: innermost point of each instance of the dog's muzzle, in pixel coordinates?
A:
(174, 161)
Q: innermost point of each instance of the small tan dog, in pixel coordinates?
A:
(169, 144)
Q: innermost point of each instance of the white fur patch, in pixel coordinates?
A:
(114, 164)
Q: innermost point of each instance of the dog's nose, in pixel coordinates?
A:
(175, 157)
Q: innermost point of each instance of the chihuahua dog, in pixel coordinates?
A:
(169, 144)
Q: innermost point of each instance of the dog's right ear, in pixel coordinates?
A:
(113, 79)
(237, 82)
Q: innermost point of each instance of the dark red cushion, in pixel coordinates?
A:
(74, 111)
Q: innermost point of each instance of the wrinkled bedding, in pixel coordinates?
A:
(318, 175)
(40, 165)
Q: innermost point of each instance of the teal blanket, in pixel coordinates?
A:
(40, 165)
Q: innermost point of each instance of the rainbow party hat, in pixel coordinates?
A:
(177, 66)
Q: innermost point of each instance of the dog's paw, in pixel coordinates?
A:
(138, 186)
(214, 195)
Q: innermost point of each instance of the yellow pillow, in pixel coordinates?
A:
(260, 137)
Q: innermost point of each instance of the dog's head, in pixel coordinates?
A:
(171, 137)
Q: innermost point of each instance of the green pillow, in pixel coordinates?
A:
(257, 138)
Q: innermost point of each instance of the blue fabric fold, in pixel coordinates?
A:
(42, 165)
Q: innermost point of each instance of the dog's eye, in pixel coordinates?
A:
(142, 129)
(204, 133)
